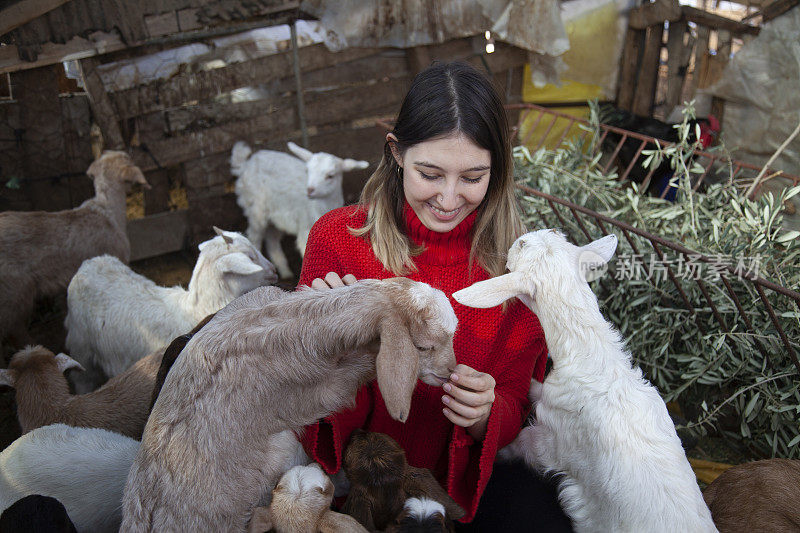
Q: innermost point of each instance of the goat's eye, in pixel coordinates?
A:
(424, 348)
(329, 177)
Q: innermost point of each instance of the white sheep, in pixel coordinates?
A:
(280, 193)
(116, 316)
(270, 363)
(599, 423)
(43, 398)
(83, 468)
(301, 504)
(41, 251)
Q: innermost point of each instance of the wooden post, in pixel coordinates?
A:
(648, 73)
(676, 67)
(418, 59)
(104, 112)
(700, 60)
(634, 40)
(43, 138)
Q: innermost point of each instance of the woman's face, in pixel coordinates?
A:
(444, 179)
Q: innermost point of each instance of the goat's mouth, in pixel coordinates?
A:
(432, 379)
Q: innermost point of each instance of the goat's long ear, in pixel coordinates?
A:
(351, 164)
(66, 362)
(593, 257)
(494, 291)
(333, 522)
(420, 482)
(238, 263)
(300, 152)
(396, 366)
(133, 174)
(7, 377)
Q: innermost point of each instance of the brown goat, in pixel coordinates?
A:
(268, 364)
(42, 251)
(381, 480)
(758, 496)
(43, 397)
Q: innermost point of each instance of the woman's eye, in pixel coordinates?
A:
(472, 180)
(427, 176)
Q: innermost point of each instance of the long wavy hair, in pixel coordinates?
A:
(444, 99)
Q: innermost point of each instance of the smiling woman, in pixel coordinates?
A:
(440, 208)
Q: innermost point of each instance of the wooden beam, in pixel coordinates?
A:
(676, 63)
(25, 11)
(158, 234)
(104, 113)
(103, 43)
(648, 72)
(716, 22)
(652, 13)
(634, 42)
(776, 9)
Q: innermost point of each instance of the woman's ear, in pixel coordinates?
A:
(392, 140)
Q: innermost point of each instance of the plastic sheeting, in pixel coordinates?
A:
(761, 89)
(533, 25)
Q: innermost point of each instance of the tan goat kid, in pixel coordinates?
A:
(221, 433)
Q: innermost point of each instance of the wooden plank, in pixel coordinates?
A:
(676, 66)
(652, 13)
(629, 68)
(158, 234)
(156, 199)
(724, 44)
(776, 9)
(204, 85)
(648, 73)
(42, 138)
(24, 11)
(418, 59)
(75, 48)
(700, 59)
(208, 171)
(336, 106)
(717, 22)
(103, 110)
(206, 211)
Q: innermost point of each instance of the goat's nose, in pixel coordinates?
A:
(310, 191)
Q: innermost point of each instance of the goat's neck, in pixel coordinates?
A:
(576, 332)
(205, 294)
(109, 195)
(46, 395)
(330, 202)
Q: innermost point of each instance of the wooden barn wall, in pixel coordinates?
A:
(181, 130)
(44, 144)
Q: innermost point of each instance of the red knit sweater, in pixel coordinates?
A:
(510, 346)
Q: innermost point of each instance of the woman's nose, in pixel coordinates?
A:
(448, 197)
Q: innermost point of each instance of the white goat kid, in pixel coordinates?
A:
(599, 423)
(280, 193)
(117, 316)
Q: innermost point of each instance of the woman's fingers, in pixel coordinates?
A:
(472, 414)
(466, 377)
(468, 397)
(332, 280)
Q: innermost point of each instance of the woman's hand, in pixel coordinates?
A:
(468, 399)
(332, 280)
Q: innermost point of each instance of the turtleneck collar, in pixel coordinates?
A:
(447, 248)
